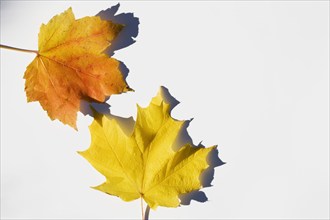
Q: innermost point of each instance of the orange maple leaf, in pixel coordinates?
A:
(70, 65)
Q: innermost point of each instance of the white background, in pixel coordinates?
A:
(254, 75)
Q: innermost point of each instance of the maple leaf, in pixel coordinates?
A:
(143, 164)
(70, 65)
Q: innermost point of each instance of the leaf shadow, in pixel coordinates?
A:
(124, 39)
(184, 138)
(126, 36)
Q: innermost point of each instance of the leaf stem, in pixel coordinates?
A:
(142, 209)
(18, 49)
(145, 213)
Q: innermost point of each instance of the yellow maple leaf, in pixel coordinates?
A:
(144, 164)
(70, 65)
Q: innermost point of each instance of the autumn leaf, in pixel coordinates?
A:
(143, 164)
(70, 65)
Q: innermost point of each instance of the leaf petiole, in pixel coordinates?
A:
(18, 49)
(145, 213)
(142, 209)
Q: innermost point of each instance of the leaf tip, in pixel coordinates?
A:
(128, 89)
(94, 187)
(138, 106)
(69, 11)
(81, 153)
